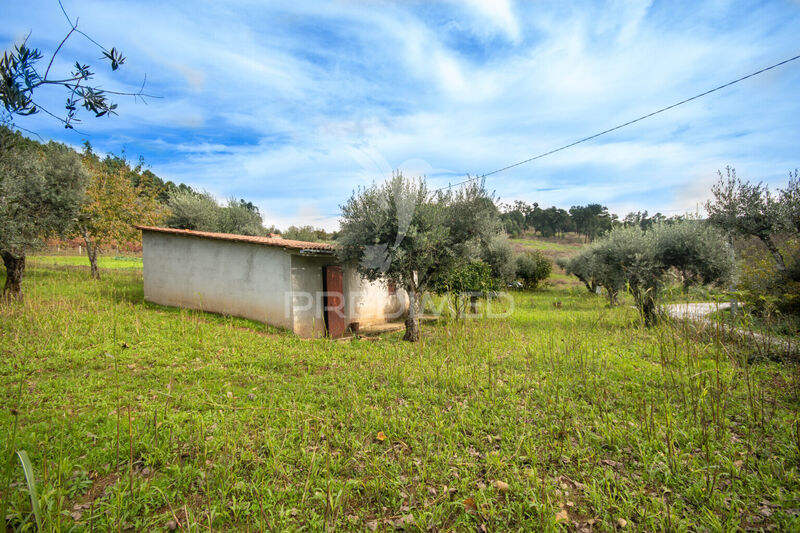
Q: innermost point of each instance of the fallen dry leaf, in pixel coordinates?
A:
(401, 522)
(502, 486)
(562, 515)
(470, 506)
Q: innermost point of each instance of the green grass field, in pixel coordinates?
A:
(544, 245)
(565, 416)
(83, 261)
(553, 249)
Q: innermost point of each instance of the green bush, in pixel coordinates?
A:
(693, 249)
(584, 267)
(533, 268)
(638, 262)
(764, 287)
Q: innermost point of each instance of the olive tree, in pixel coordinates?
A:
(115, 200)
(41, 191)
(583, 267)
(695, 249)
(238, 216)
(624, 260)
(496, 251)
(25, 72)
(748, 210)
(200, 211)
(403, 233)
(629, 259)
(193, 210)
(790, 204)
(533, 268)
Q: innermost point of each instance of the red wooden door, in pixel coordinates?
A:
(333, 301)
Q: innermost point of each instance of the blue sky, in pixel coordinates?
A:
(294, 104)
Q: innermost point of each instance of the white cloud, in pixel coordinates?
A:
(497, 14)
(295, 105)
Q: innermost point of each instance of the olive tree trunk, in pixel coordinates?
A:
(645, 301)
(15, 269)
(613, 297)
(412, 320)
(91, 251)
(776, 254)
(473, 304)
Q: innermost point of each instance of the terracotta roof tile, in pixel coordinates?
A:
(267, 241)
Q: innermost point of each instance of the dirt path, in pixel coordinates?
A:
(695, 311)
(766, 344)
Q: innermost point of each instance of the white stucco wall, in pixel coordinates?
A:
(263, 283)
(307, 295)
(369, 302)
(233, 278)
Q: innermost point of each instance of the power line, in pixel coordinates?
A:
(596, 135)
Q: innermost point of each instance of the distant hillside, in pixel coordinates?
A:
(553, 248)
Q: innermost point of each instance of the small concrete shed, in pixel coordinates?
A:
(295, 285)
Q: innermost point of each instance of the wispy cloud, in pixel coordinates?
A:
(294, 105)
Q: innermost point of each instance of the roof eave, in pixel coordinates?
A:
(310, 251)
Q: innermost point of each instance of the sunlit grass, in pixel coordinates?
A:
(81, 260)
(538, 244)
(566, 414)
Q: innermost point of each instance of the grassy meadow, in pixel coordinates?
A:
(119, 261)
(553, 248)
(566, 415)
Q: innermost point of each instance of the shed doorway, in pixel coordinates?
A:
(333, 301)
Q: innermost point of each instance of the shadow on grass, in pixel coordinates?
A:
(215, 318)
(123, 287)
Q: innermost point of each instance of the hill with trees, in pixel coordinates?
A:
(50, 191)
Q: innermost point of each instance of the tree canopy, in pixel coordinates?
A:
(308, 233)
(751, 210)
(630, 259)
(117, 198)
(401, 232)
(42, 188)
(23, 75)
(591, 220)
(200, 211)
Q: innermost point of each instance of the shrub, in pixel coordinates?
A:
(693, 248)
(583, 266)
(533, 268)
(497, 253)
(764, 287)
(630, 259)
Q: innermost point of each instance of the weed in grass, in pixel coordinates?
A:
(588, 417)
